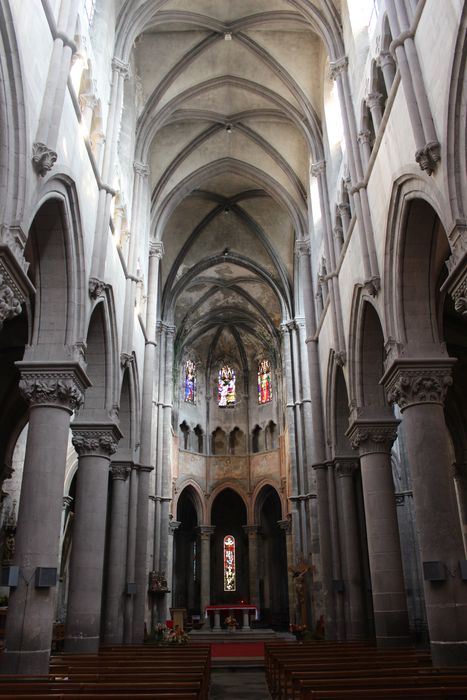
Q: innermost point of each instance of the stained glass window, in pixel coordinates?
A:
(190, 381)
(230, 583)
(264, 382)
(226, 395)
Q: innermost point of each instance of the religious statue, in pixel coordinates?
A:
(298, 572)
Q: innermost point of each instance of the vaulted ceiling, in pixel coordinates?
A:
(229, 95)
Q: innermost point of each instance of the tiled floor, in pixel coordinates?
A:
(238, 684)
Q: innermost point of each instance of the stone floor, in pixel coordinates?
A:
(238, 684)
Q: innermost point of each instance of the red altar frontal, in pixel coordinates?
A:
(245, 609)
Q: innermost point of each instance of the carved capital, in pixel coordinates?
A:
(173, 526)
(206, 531)
(344, 209)
(53, 384)
(43, 158)
(285, 525)
(87, 100)
(141, 169)
(168, 329)
(121, 67)
(10, 297)
(369, 436)
(428, 156)
(96, 288)
(339, 234)
(252, 530)
(318, 168)
(120, 471)
(341, 357)
(412, 382)
(385, 59)
(156, 249)
(337, 67)
(345, 467)
(374, 99)
(364, 136)
(302, 247)
(126, 359)
(95, 439)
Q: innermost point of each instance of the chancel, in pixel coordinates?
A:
(233, 315)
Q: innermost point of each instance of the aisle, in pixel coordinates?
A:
(238, 683)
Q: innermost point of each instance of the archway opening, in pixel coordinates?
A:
(229, 516)
(186, 578)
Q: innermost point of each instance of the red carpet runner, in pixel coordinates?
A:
(240, 649)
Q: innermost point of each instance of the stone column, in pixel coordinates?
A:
(286, 526)
(206, 531)
(373, 439)
(141, 554)
(53, 391)
(355, 624)
(375, 105)
(94, 443)
(364, 139)
(130, 555)
(388, 68)
(324, 520)
(419, 388)
(173, 526)
(116, 568)
(252, 531)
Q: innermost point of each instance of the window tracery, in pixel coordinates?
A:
(264, 382)
(230, 582)
(190, 382)
(226, 392)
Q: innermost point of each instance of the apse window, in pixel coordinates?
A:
(190, 381)
(264, 382)
(90, 7)
(226, 395)
(230, 583)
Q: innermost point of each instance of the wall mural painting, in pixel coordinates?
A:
(190, 381)
(264, 382)
(226, 395)
(230, 583)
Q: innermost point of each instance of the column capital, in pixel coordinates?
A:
(374, 99)
(337, 67)
(318, 168)
(206, 531)
(121, 67)
(320, 465)
(364, 136)
(59, 384)
(345, 466)
(173, 526)
(385, 59)
(252, 530)
(456, 283)
(120, 471)
(96, 287)
(302, 247)
(168, 329)
(145, 468)
(370, 436)
(156, 249)
(409, 382)
(95, 439)
(285, 525)
(14, 289)
(141, 169)
(43, 158)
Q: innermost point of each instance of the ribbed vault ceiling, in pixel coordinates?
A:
(230, 98)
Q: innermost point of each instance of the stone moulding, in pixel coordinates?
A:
(15, 286)
(409, 382)
(43, 158)
(60, 384)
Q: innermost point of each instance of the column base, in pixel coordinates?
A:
(25, 662)
(448, 653)
(81, 645)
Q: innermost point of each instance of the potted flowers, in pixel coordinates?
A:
(177, 636)
(299, 631)
(231, 623)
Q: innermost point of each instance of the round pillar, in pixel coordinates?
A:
(94, 443)
(116, 569)
(373, 440)
(419, 388)
(252, 531)
(206, 531)
(355, 624)
(53, 392)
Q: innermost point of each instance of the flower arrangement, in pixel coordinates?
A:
(298, 630)
(158, 633)
(231, 622)
(177, 636)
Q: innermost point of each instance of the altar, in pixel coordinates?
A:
(244, 608)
